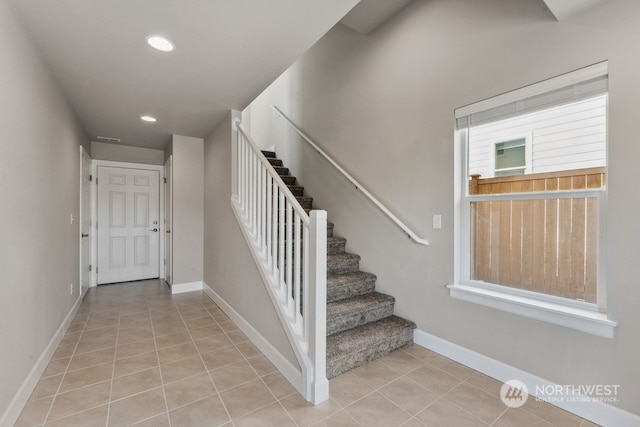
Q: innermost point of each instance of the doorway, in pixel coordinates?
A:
(128, 223)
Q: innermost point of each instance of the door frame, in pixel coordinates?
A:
(167, 211)
(84, 154)
(94, 211)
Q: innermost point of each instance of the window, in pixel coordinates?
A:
(529, 229)
(510, 157)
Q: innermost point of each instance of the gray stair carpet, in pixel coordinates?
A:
(361, 326)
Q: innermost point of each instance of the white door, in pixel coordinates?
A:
(168, 215)
(85, 223)
(128, 224)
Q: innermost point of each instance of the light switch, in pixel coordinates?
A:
(437, 222)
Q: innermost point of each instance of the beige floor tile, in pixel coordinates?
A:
(84, 377)
(182, 369)
(193, 313)
(453, 368)
(89, 418)
(550, 413)
(79, 400)
(177, 352)
(402, 362)
(485, 383)
(375, 410)
(376, 374)
(205, 331)
(445, 414)
(420, 352)
(237, 336)
(413, 422)
(304, 413)
(173, 328)
(199, 322)
(161, 420)
(347, 388)
(271, 415)
(135, 317)
(134, 348)
(47, 387)
(228, 325)
(408, 395)
(107, 332)
(339, 419)
(520, 418)
(248, 349)
(246, 398)
(434, 379)
(34, 412)
(213, 343)
(137, 408)
(476, 402)
(205, 412)
(136, 363)
(139, 335)
(586, 423)
(129, 385)
(189, 390)
(70, 338)
(232, 375)
(87, 360)
(261, 365)
(278, 385)
(64, 351)
(95, 345)
(224, 356)
(140, 326)
(56, 367)
(170, 340)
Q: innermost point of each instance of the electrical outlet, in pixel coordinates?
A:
(70, 288)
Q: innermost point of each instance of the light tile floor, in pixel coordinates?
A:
(136, 355)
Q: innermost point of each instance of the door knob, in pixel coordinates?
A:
(155, 230)
(168, 231)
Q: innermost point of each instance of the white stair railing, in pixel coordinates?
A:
(290, 250)
(405, 228)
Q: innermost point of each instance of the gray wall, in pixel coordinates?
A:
(383, 106)
(39, 187)
(123, 153)
(188, 209)
(229, 268)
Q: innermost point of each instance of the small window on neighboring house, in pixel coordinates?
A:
(510, 157)
(530, 229)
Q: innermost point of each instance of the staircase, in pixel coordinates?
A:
(360, 323)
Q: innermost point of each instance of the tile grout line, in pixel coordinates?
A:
(155, 344)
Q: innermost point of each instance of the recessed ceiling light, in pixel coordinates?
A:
(160, 43)
(149, 119)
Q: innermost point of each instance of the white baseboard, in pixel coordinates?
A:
(592, 410)
(286, 368)
(179, 288)
(14, 409)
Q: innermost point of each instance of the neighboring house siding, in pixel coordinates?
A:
(568, 137)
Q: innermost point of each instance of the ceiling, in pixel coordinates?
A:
(227, 52)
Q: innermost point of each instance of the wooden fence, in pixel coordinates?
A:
(541, 245)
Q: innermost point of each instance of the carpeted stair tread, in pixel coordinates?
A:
(282, 171)
(354, 347)
(329, 229)
(355, 311)
(342, 263)
(269, 154)
(274, 161)
(351, 284)
(296, 190)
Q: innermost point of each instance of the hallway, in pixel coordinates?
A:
(137, 355)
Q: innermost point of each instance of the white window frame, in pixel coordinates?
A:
(582, 316)
(528, 151)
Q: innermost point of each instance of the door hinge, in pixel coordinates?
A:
(90, 178)
(165, 180)
(96, 180)
(89, 267)
(96, 270)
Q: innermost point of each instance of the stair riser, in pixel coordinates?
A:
(352, 320)
(336, 247)
(337, 293)
(342, 266)
(282, 171)
(373, 351)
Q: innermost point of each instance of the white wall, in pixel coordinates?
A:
(188, 209)
(383, 106)
(123, 153)
(229, 268)
(39, 189)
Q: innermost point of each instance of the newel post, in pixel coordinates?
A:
(317, 308)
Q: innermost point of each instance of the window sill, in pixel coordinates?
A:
(591, 322)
